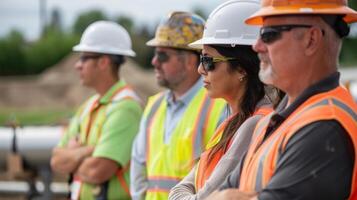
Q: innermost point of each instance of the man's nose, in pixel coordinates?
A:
(154, 61)
(259, 46)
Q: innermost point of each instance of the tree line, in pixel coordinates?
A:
(19, 57)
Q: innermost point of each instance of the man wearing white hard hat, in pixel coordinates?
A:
(95, 150)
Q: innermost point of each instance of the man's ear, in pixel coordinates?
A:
(104, 62)
(313, 40)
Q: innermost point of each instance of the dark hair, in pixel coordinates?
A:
(248, 61)
(116, 62)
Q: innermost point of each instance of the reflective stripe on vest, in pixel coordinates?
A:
(204, 168)
(167, 164)
(263, 156)
(162, 183)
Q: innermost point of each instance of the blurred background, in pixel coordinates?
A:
(40, 88)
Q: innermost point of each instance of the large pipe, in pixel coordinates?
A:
(34, 144)
(6, 142)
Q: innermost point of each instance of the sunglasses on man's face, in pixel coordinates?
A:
(84, 58)
(270, 34)
(208, 63)
(163, 56)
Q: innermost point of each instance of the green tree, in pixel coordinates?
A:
(348, 52)
(126, 22)
(199, 11)
(87, 18)
(143, 52)
(349, 46)
(12, 56)
(49, 50)
(139, 38)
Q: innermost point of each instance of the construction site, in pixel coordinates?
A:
(116, 107)
(25, 150)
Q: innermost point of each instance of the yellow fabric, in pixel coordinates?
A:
(175, 159)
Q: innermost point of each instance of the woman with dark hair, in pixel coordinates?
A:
(230, 69)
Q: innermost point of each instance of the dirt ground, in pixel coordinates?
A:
(59, 87)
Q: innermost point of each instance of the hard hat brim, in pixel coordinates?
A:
(155, 43)
(85, 48)
(152, 43)
(257, 18)
(230, 41)
(198, 44)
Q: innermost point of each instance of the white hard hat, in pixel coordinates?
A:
(105, 37)
(225, 25)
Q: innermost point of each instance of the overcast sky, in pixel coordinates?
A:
(23, 15)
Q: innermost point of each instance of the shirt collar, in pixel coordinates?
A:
(106, 98)
(187, 97)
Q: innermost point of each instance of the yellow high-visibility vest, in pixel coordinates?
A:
(168, 163)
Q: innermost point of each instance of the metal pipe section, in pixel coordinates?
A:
(6, 137)
(34, 144)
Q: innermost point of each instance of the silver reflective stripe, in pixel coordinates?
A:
(201, 123)
(345, 108)
(320, 103)
(162, 184)
(87, 108)
(259, 180)
(127, 92)
(153, 110)
(261, 126)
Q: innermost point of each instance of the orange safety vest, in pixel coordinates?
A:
(121, 93)
(263, 155)
(204, 167)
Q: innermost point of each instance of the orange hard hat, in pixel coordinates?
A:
(302, 7)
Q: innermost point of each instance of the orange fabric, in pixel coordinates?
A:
(323, 106)
(205, 168)
(302, 7)
(120, 174)
(93, 111)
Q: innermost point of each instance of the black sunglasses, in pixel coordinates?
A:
(163, 56)
(84, 58)
(208, 63)
(270, 34)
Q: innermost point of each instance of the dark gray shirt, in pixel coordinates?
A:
(318, 160)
